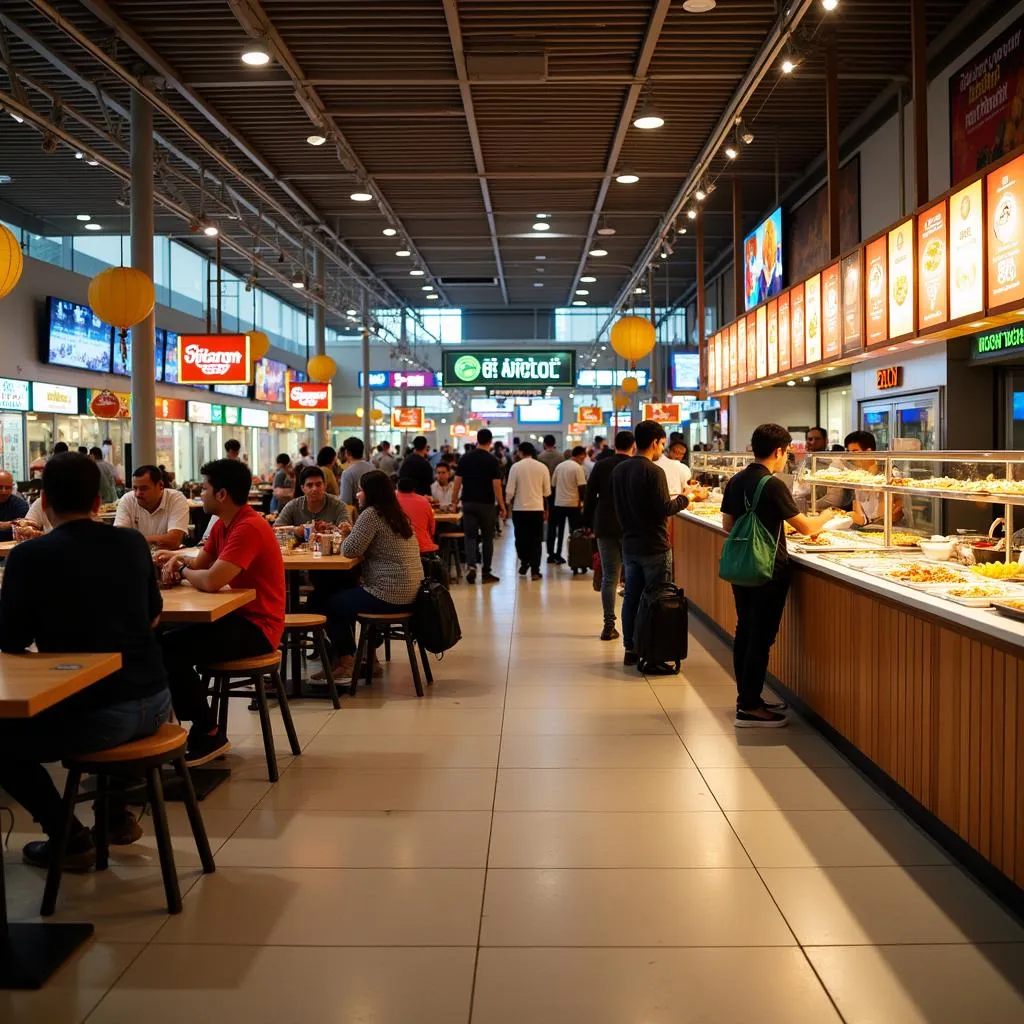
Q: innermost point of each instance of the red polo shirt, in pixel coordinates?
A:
(421, 514)
(249, 543)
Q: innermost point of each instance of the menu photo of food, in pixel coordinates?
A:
(812, 318)
(932, 292)
(876, 258)
(762, 342)
(784, 333)
(1005, 256)
(741, 348)
(852, 276)
(966, 230)
(796, 327)
(751, 347)
(734, 363)
(773, 337)
(901, 280)
(831, 345)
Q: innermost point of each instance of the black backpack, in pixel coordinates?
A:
(660, 635)
(435, 569)
(435, 622)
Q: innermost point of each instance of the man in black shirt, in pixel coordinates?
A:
(84, 587)
(642, 503)
(478, 482)
(416, 467)
(599, 516)
(759, 609)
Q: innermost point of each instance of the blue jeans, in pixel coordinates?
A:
(642, 571)
(610, 550)
(342, 610)
(26, 744)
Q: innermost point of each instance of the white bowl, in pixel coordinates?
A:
(937, 550)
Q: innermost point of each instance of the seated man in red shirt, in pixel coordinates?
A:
(241, 553)
(420, 513)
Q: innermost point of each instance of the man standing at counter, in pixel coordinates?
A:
(832, 497)
(869, 506)
(759, 608)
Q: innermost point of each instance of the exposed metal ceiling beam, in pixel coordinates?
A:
(395, 114)
(451, 16)
(503, 176)
(643, 63)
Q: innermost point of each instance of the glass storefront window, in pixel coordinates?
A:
(188, 280)
(12, 455)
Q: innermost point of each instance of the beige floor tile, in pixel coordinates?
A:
(573, 839)
(317, 907)
(653, 986)
(630, 907)
(215, 983)
(888, 905)
(767, 748)
(359, 752)
(419, 719)
(586, 722)
(359, 839)
(602, 789)
(594, 752)
(715, 721)
(448, 691)
(386, 789)
(685, 696)
(924, 984)
(71, 993)
(803, 839)
(236, 793)
(633, 695)
(792, 789)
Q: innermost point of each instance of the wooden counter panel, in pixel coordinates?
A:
(939, 711)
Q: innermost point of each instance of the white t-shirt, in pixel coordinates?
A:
(677, 474)
(442, 495)
(568, 478)
(37, 517)
(170, 514)
(588, 467)
(529, 483)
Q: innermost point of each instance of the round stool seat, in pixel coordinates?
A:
(300, 620)
(165, 741)
(450, 535)
(272, 660)
(384, 616)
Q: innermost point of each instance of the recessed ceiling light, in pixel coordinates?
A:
(692, 214)
(787, 66)
(731, 152)
(92, 226)
(5, 179)
(542, 225)
(639, 291)
(316, 139)
(390, 232)
(350, 312)
(663, 254)
(543, 216)
(830, 5)
(431, 297)
(416, 273)
(579, 302)
(255, 55)
(91, 162)
(83, 217)
(361, 197)
(540, 257)
(589, 279)
(805, 379)
(598, 252)
(699, 6)
(16, 117)
(210, 230)
(538, 284)
(606, 231)
(648, 120)
(627, 179)
(428, 288)
(582, 291)
(402, 252)
(79, 156)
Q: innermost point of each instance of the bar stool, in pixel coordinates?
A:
(129, 761)
(229, 676)
(387, 626)
(449, 545)
(307, 633)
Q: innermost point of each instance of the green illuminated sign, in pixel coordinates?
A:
(543, 368)
(1010, 340)
(217, 414)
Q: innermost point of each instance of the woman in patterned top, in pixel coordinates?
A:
(391, 566)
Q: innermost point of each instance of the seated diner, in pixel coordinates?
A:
(158, 512)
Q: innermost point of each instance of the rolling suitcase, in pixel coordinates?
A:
(581, 551)
(660, 635)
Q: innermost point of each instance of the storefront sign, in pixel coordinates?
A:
(469, 369)
(797, 327)
(662, 412)
(54, 398)
(171, 409)
(889, 377)
(773, 337)
(110, 405)
(308, 396)
(256, 417)
(214, 359)
(853, 303)
(812, 319)
(901, 280)
(1009, 340)
(761, 329)
(459, 430)
(200, 412)
(584, 379)
(590, 414)
(217, 416)
(877, 308)
(526, 392)
(785, 349)
(429, 425)
(407, 418)
(578, 429)
(1005, 231)
(14, 395)
(966, 268)
(751, 347)
(232, 416)
(284, 421)
(932, 291)
(831, 330)
(741, 350)
(394, 379)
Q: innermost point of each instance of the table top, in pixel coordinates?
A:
(447, 517)
(5, 547)
(30, 683)
(304, 560)
(186, 604)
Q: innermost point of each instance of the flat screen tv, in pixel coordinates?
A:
(76, 337)
(270, 381)
(234, 390)
(685, 371)
(541, 410)
(762, 261)
(123, 367)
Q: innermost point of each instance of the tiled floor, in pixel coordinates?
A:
(546, 838)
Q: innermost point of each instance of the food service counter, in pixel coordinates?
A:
(912, 687)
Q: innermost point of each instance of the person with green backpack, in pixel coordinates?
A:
(755, 561)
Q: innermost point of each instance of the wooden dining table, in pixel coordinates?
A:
(185, 604)
(30, 683)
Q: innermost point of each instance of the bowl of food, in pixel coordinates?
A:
(938, 549)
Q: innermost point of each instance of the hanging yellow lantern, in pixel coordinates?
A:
(359, 411)
(259, 345)
(11, 261)
(630, 385)
(633, 337)
(621, 400)
(376, 415)
(122, 296)
(322, 368)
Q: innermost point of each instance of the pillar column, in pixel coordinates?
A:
(919, 76)
(832, 143)
(737, 245)
(701, 343)
(320, 334)
(366, 371)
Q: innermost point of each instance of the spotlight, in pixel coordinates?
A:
(299, 282)
(731, 152)
(747, 137)
(316, 139)
(787, 66)
(256, 55)
(211, 230)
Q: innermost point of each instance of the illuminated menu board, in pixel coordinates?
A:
(852, 274)
(831, 332)
(751, 347)
(784, 333)
(713, 369)
(797, 329)
(761, 316)
(812, 318)
(877, 311)
(726, 358)
(966, 230)
(932, 289)
(773, 337)
(741, 348)
(901, 280)
(1005, 228)
(734, 357)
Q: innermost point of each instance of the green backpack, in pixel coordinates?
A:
(748, 557)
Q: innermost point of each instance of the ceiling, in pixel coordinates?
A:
(464, 119)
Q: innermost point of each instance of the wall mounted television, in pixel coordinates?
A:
(270, 381)
(75, 337)
(541, 410)
(123, 367)
(762, 261)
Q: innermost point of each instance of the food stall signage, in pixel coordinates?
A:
(217, 414)
(997, 343)
(516, 392)
(470, 369)
(831, 329)
(663, 412)
(232, 416)
(459, 430)
(429, 425)
(308, 396)
(385, 379)
(407, 418)
(171, 409)
(200, 412)
(592, 414)
(110, 405)
(214, 359)
(1005, 223)
(932, 291)
(901, 280)
(283, 421)
(14, 394)
(966, 274)
(256, 417)
(54, 398)
(888, 377)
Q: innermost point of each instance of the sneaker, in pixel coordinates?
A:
(489, 577)
(609, 633)
(775, 705)
(764, 719)
(79, 857)
(630, 658)
(560, 559)
(123, 828)
(536, 575)
(553, 560)
(523, 569)
(471, 574)
(204, 747)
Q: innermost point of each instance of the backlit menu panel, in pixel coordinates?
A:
(734, 359)
(932, 268)
(831, 332)
(784, 333)
(773, 337)
(852, 274)
(797, 328)
(877, 318)
(901, 280)
(741, 348)
(812, 318)
(762, 342)
(1005, 253)
(966, 259)
(751, 347)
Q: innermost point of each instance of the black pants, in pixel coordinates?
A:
(529, 537)
(224, 640)
(560, 515)
(758, 616)
(478, 518)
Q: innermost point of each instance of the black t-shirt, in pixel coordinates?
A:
(87, 587)
(478, 470)
(419, 470)
(642, 505)
(776, 504)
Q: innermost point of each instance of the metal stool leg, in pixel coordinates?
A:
(101, 829)
(163, 839)
(195, 817)
(60, 845)
(286, 712)
(268, 734)
(426, 666)
(370, 654)
(360, 655)
(387, 644)
(320, 641)
(413, 664)
(224, 692)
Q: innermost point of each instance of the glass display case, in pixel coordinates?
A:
(714, 468)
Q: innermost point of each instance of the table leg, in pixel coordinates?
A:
(293, 606)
